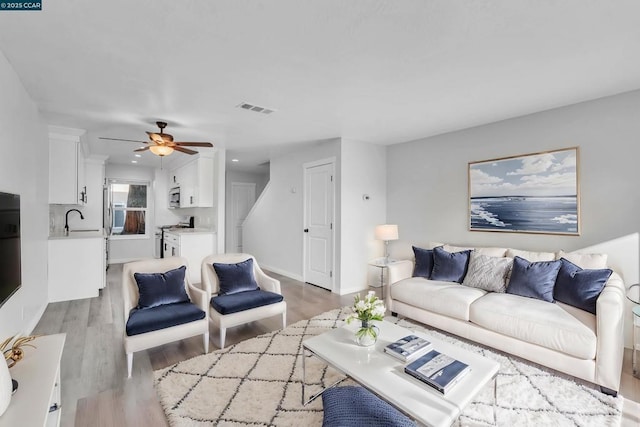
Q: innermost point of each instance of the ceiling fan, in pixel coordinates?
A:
(162, 144)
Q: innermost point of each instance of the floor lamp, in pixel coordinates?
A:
(386, 233)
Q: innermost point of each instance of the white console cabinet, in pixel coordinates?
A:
(37, 401)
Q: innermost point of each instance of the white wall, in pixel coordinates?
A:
(259, 179)
(427, 179)
(24, 169)
(123, 250)
(273, 231)
(362, 172)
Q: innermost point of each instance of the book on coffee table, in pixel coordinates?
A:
(408, 348)
(437, 370)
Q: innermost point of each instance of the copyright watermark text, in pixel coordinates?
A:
(10, 5)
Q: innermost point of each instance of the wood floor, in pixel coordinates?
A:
(96, 392)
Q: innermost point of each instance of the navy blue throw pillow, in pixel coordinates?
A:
(424, 262)
(161, 288)
(234, 278)
(533, 279)
(449, 266)
(353, 406)
(579, 288)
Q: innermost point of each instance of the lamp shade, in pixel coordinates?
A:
(387, 232)
(161, 150)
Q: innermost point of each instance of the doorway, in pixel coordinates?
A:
(319, 202)
(243, 197)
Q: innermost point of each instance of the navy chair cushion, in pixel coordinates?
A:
(533, 279)
(143, 320)
(450, 266)
(424, 262)
(161, 288)
(241, 301)
(579, 288)
(234, 278)
(357, 407)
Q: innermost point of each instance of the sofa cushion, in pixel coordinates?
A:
(533, 279)
(449, 267)
(494, 252)
(531, 256)
(446, 298)
(234, 278)
(580, 288)
(143, 320)
(156, 289)
(537, 322)
(591, 261)
(424, 262)
(241, 301)
(488, 272)
(353, 406)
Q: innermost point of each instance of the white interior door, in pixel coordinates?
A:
(318, 223)
(243, 196)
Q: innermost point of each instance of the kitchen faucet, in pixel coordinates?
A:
(66, 220)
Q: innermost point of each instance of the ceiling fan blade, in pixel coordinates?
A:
(194, 144)
(142, 149)
(184, 150)
(128, 140)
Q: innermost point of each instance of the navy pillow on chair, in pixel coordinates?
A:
(579, 288)
(161, 288)
(533, 279)
(356, 407)
(448, 266)
(424, 262)
(234, 278)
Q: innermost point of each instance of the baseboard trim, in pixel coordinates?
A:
(283, 272)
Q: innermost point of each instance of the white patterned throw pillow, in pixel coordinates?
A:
(488, 273)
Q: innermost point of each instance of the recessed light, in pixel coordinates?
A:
(235, 160)
(134, 161)
(138, 155)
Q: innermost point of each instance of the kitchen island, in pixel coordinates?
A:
(194, 244)
(76, 264)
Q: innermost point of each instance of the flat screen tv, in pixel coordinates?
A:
(10, 267)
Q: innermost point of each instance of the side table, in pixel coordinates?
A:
(633, 294)
(382, 264)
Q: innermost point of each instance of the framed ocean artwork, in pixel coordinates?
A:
(531, 193)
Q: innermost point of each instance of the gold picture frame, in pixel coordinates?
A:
(531, 193)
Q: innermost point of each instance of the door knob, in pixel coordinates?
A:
(306, 230)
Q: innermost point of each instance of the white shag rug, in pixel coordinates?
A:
(257, 382)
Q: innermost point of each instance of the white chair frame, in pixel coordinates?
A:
(211, 285)
(151, 339)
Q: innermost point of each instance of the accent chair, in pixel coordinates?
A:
(161, 305)
(239, 292)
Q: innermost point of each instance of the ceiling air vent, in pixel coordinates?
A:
(255, 108)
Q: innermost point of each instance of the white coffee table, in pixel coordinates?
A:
(384, 375)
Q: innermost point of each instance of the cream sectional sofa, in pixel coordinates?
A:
(556, 335)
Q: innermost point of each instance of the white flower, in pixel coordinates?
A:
(378, 310)
(361, 306)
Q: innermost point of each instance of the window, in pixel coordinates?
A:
(129, 207)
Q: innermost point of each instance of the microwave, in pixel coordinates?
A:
(174, 197)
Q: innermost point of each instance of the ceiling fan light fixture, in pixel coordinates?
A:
(161, 150)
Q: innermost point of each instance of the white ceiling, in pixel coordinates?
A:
(368, 70)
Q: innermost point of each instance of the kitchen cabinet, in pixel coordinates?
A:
(66, 168)
(193, 244)
(195, 180)
(76, 265)
(37, 400)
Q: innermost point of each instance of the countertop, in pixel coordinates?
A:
(78, 234)
(190, 231)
